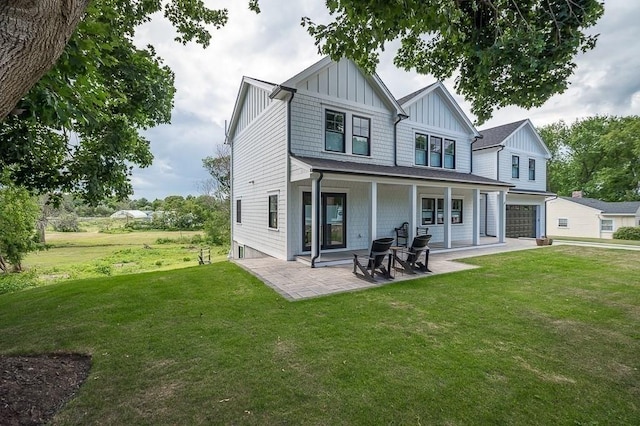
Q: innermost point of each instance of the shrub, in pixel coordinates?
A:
(627, 233)
(16, 282)
(67, 223)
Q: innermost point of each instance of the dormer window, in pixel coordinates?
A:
(334, 131)
(438, 152)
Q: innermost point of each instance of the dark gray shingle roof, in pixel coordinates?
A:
(410, 96)
(441, 175)
(623, 207)
(496, 135)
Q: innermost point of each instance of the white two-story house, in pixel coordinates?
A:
(514, 153)
(329, 160)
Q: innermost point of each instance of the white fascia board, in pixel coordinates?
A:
(237, 107)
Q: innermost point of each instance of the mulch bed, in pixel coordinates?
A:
(34, 388)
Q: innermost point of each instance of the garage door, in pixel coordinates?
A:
(521, 221)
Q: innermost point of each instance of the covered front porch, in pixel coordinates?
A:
(343, 209)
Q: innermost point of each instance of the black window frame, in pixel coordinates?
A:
(355, 135)
(515, 167)
(238, 211)
(532, 170)
(333, 130)
(273, 213)
(424, 150)
(438, 207)
(445, 155)
(431, 207)
(438, 152)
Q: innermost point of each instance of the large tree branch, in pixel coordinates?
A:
(33, 34)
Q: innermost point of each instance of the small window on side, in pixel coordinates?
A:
(238, 211)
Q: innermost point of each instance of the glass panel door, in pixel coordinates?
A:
(306, 224)
(334, 209)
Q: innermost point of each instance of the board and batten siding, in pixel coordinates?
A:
(307, 129)
(256, 100)
(433, 111)
(260, 169)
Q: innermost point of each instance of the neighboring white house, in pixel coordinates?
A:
(590, 218)
(514, 153)
(329, 160)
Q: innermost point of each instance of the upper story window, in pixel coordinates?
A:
(334, 131)
(421, 149)
(435, 151)
(532, 169)
(361, 140)
(515, 167)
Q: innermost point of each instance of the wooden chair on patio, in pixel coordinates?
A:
(410, 262)
(373, 264)
(402, 235)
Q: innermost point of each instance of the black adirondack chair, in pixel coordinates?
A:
(402, 235)
(412, 262)
(374, 264)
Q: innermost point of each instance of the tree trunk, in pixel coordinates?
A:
(33, 34)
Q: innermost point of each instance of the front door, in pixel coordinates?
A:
(333, 232)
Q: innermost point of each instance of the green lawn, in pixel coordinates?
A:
(535, 337)
(598, 240)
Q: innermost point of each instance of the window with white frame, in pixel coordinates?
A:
(361, 139)
(334, 131)
(515, 167)
(273, 211)
(532, 169)
(563, 222)
(606, 224)
(435, 151)
(432, 211)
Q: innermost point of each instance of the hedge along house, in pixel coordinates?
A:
(329, 160)
(516, 154)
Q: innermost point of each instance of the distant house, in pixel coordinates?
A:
(329, 160)
(514, 153)
(130, 214)
(590, 218)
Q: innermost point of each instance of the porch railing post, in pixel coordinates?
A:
(502, 214)
(374, 210)
(413, 221)
(476, 217)
(447, 217)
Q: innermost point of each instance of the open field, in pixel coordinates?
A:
(93, 254)
(534, 337)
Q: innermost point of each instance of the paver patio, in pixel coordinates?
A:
(295, 280)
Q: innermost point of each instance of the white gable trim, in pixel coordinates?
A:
(373, 79)
(449, 100)
(237, 108)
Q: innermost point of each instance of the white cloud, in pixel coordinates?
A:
(273, 46)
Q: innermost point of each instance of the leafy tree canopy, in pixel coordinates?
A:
(77, 130)
(598, 155)
(18, 214)
(505, 52)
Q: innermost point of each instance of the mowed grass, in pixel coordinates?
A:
(547, 336)
(599, 240)
(93, 254)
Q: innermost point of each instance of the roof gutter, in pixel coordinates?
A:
(398, 119)
(282, 92)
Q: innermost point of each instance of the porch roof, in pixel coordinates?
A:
(403, 172)
(531, 192)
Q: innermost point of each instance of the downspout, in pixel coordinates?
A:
(293, 92)
(399, 118)
(475, 139)
(498, 162)
(317, 230)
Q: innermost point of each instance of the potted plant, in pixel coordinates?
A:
(544, 241)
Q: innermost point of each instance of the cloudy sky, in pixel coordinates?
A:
(273, 46)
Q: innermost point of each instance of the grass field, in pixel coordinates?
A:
(535, 337)
(598, 240)
(93, 254)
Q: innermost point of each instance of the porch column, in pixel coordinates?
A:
(475, 239)
(315, 218)
(414, 213)
(501, 226)
(374, 210)
(447, 217)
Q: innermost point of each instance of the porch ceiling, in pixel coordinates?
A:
(401, 172)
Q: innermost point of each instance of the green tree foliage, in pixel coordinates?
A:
(627, 233)
(219, 167)
(19, 212)
(598, 155)
(505, 52)
(78, 127)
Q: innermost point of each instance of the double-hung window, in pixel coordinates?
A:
(421, 149)
(334, 131)
(238, 211)
(606, 224)
(273, 211)
(361, 138)
(449, 154)
(532, 169)
(432, 211)
(435, 151)
(515, 167)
